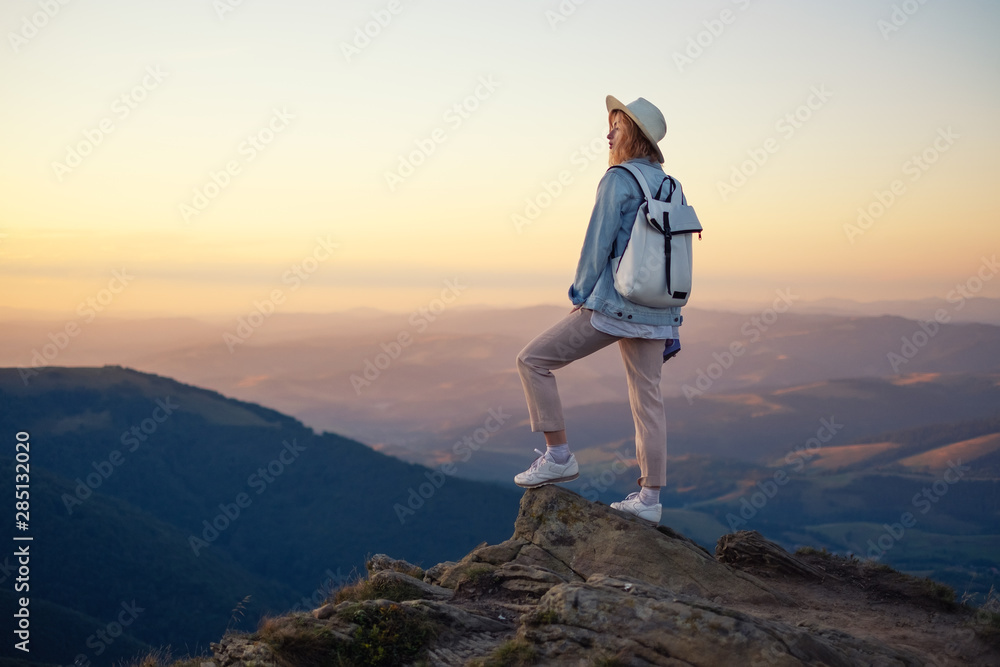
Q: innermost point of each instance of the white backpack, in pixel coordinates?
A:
(654, 269)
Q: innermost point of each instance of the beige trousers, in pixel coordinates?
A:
(574, 338)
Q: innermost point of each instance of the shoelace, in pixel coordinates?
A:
(538, 461)
(635, 495)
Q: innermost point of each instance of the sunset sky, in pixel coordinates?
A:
(215, 152)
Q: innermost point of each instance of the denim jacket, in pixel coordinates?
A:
(618, 200)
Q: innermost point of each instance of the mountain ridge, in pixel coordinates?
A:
(212, 481)
(303, 365)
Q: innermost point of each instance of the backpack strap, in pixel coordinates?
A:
(639, 177)
(674, 185)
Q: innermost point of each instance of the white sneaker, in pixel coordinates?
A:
(633, 505)
(546, 471)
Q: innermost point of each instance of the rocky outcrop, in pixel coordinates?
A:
(568, 538)
(749, 549)
(666, 628)
(579, 582)
(590, 538)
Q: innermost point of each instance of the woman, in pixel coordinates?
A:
(601, 316)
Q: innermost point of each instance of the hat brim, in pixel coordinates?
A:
(614, 104)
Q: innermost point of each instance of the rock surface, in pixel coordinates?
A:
(666, 628)
(589, 538)
(382, 563)
(749, 548)
(579, 582)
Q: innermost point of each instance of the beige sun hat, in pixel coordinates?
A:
(646, 116)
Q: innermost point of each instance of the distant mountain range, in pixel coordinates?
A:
(965, 308)
(760, 427)
(184, 502)
(942, 480)
(961, 308)
(348, 373)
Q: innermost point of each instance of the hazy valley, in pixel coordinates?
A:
(805, 431)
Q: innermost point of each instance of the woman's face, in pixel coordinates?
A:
(613, 133)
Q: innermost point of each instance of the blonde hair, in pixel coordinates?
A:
(631, 142)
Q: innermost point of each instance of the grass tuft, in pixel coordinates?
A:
(938, 591)
(389, 636)
(542, 618)
(478, 576)
(238, 613)
(608, 661)
(986, 619)
(163, 657)
(878, 566)
(383, 636)
(513, 653)
(381, 589)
